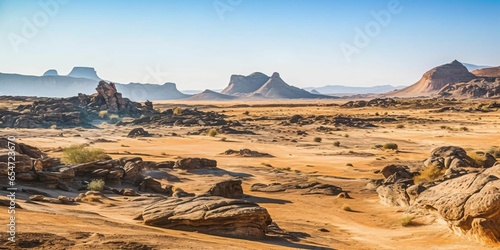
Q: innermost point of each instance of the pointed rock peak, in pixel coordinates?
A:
(455, 62)
(208, 91)
(275, 75)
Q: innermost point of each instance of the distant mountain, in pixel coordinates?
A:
(345, 90)
(435, 79)
(84, 72)
(472, 67)
(487, 72)
(244, 85)
(276, 88)
(209, 95)
(152, 92)
(53, 85)
(197, 91)
(51, 72)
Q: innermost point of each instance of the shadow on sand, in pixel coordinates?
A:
(258, 199)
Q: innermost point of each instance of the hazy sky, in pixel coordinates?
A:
(198, 44)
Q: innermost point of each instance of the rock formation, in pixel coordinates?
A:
(435, 79)
(275, 87)
(466, 196)
(84, 72)
(478, 88)
(211, 215)
(71, 112)
(227, 189)
(243, 85)
(487, 72)
(470, 204)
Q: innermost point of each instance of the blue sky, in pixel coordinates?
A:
(197, 46)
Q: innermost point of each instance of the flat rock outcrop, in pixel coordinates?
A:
(470, 204)
(195, 163)
(211, 215)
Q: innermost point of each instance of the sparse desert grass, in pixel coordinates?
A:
(349, 165)
(177, 111)
(429, 174)
(267, 165)
(346, 208)
(400, 126)
(336, 144)
(390, 145)
(212, 132)
(407, 220)
(317, 139)
(495, 151)
(96, 185)
(103, 114)
(76, 154)
(53, 126)
(346, 135)
(91, 198)
(114, 118)
(223, 139)
(480, 159)
(465, 129)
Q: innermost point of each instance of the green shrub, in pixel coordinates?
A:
(336, 144)
(212, 132)
(96, 185)
(317, 139)
(103, 114)
(76, 154)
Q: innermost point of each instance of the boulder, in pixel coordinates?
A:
(211, 215)
(450, 157)
(149, 184)
(195, 163)
(227, 189)
(470, 204)
(138, 132)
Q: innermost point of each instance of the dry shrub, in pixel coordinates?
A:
(430, 174)
(76, 154)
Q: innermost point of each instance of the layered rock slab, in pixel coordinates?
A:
(211, 215)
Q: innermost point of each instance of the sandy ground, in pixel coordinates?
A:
(109, 224)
